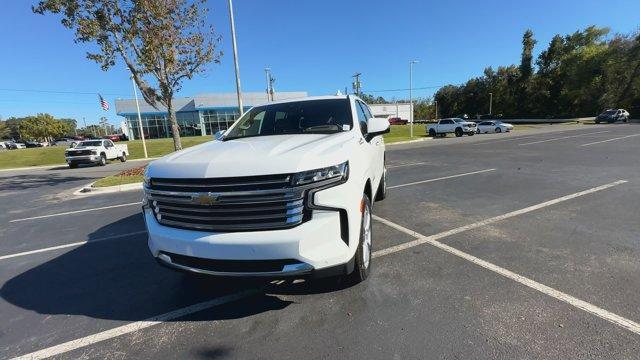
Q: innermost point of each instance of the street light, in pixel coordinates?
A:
(141, 131)
(266, 74)
(490, 103)
(411, 93)
(235, 58)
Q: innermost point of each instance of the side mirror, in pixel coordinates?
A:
(218, 135)
(377, 126)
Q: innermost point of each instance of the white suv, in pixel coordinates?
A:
(286, 191)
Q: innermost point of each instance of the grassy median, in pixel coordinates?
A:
(54, 155)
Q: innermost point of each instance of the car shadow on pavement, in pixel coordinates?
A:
(26, 182)
(118, 279)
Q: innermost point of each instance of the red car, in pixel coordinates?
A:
(397, 121)
(113, 138)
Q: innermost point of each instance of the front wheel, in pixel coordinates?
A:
(432, 133)
(103, 160)
(498, 130)
(123, 158)
(362, 266)
(459, 132)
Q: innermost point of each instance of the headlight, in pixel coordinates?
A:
(94, 152)
(337, 172)
(145, 177)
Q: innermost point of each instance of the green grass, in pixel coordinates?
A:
(54, 155)
(403, 133)
(114, 180)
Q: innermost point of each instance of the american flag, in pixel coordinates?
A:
(103, 103)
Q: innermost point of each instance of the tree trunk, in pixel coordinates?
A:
(175, 130)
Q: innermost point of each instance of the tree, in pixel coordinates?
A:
(528, 42)
(165, 40)
(41, 127)
(5, 131)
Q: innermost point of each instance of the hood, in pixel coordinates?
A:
(260, 155)
(84, 148)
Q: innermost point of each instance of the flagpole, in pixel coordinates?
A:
(141, 131)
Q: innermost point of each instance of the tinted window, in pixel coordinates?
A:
(297, 117)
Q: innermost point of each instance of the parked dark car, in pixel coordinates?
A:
(613, 115)
(397, 121)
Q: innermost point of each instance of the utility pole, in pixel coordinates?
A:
(436, 101)
(140, 129)
(490, 103)
(235, 58)
(356, 83)
(85, 124)
(411, 94)
(267, 74)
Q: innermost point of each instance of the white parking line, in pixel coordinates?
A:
(421, 239)
(135, 326)
(409, 164)
(75, 212)
(566, 298)
(440, 178)
(564, 137)
(75, 244)
(604, 141)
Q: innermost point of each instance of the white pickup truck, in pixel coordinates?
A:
(95, 152)
(456, 126)
(287, 191)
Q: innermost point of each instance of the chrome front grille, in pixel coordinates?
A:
(227, 204)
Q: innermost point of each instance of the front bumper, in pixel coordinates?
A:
(83, 159)
(325, 245)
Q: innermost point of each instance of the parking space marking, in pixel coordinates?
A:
(409, 164)
(75, 244)
(564, 137)
(136, 326)
(604, 141)
(566, 298)
(74, 212)
(440, 178)
(421, 239)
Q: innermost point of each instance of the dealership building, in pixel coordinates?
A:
(205, 114)
(202, 114)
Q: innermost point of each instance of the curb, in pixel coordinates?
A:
(90, 190)
(409, 141)
(53, 166)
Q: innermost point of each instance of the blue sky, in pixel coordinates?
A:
(312, 46)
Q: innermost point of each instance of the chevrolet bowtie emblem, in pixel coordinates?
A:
(207, 199)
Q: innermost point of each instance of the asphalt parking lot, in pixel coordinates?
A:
(521, 245)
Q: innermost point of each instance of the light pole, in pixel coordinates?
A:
(235, 58)
(266, 74)
(490, 102)
(411, 93)
(140, 129)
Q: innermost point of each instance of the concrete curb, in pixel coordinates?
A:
(409, 141)
(48, 167)
(90, 190)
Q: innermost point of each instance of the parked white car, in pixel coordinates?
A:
(493, 126)
(286, 191)
(455, 126)
(95, 152)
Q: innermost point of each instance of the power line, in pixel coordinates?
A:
(407, 89)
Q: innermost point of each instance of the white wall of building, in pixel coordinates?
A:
(400, 110)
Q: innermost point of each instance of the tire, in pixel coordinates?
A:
(103, 160)
(73, 166)
(597, 121)
(471, 133)
(459, 132)
(123, 158)
(432, 133)
(362, 266)
(498, 130)
(381, 194)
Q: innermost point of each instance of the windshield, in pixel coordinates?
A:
(299, 117)
(459, 120)
(91, 143)
(610, 112)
